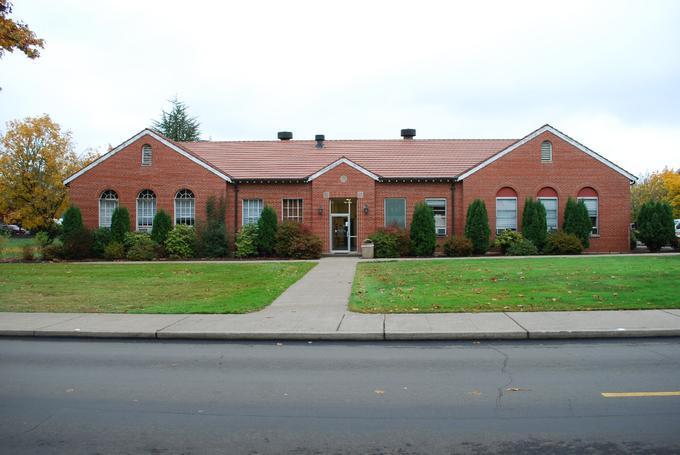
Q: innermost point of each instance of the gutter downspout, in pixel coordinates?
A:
(453, 208)
(235, 209)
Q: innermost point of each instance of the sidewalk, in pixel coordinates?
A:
(315, 308)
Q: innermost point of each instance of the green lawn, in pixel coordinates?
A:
(12, 247)
(145, 288)
(532, 284)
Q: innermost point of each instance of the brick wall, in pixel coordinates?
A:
(123, 173)
(569, 172)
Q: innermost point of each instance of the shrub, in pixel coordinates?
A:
(422, 233)
(72, 221)
(266, 231)
(212, 238)
(458, 246)
(42, 238)
(384, 243)
(477, 226)
(285, 233)
(633, 239)
(28, 252)
(3, 240)
(142, 249)
(53, 250)
(655, 225)
(246, 241)
(675, 243)
(162, 224)
(114, 250)
(305, 245)
(534, 225)
(181, 242)
(506, 239)
(120, 224)
(77, 243)
(562, 243)
(524, 247)
(131, 238)
(100, 238)
(577, 221)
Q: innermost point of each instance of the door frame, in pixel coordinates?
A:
(348, 216)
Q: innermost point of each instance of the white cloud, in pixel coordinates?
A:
(603, 72)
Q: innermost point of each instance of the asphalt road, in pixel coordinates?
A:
(86, 396)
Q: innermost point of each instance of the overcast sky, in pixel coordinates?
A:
(605, 73)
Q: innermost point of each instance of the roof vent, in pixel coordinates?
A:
(285, 135)
(408, 133)
(319, 138)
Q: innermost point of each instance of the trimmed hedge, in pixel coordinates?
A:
(458, 247)
(562, 243)
(212, 237)
(506, 239)
(181, 242)
(524, 247)
(477, 226)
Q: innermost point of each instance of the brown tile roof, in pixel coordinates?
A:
(386, 158)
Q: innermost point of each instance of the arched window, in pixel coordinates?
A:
(546, 151)
(146, 155)
(548, 197)
(589, 197)
(108, 202)
(506, 210)
(185, 207)
(146, 210)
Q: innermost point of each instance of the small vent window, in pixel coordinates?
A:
(146, 155)
(546, 151)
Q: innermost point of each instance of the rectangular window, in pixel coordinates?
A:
(395, 212)
(292, 210)
(439, 209)
(592, 206)
(106, 208)
(506, 214)
(146, 210)
(252, 208)
(184, 211)
(550, 204)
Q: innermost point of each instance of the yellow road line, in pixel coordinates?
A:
(640, 394)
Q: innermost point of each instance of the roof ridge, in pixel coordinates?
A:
(277, 141)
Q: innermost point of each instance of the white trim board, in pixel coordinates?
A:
(337, 163)
(564, 137)
(136, 137)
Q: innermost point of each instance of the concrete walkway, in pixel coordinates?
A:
(315, 308)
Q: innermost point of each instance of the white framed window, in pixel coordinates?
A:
(108, 202)
(593, 213)
(146, 210)
(185, 207)
(252, 209)
(395, 212)
(551, 208)
(146, 155)
(546, 151)
(439, 208)
(506, 214)
(292, 210)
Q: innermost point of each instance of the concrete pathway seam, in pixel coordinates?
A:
(672, 314)
(170, 325)
(520, 325)
(59, 322)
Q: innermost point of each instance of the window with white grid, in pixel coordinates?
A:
(252, 209)
(550, 205)
(439, 208)
(546, 151)
(108, 202)
(146, 210)
(146, 155)
(593, 213)
(292, 210)
(506, 214)
(185, 207)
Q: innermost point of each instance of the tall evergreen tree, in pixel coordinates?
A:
(655, 225)
(422, 233)
(534, 226)
(477, 226)
(120, 224)
(266, 231)
(177, 125)
(213, 241)
(577, 221)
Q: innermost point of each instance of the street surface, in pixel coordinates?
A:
(101, 396)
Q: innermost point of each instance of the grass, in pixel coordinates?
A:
(145, 288)
(12, 247)
(532, 284)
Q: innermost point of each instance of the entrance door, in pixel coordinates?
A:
(343, 225)
(339, 231)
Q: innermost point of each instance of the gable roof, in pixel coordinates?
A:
(561, 135)
(160, 138)
(385, 159)
(337, 163)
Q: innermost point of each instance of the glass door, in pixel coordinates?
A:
(343, 225)
(339, 232)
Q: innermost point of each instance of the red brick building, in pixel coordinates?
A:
(344, 190)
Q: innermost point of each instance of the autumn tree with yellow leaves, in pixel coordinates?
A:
(16, 34)
(659, 186)
(35, 158)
